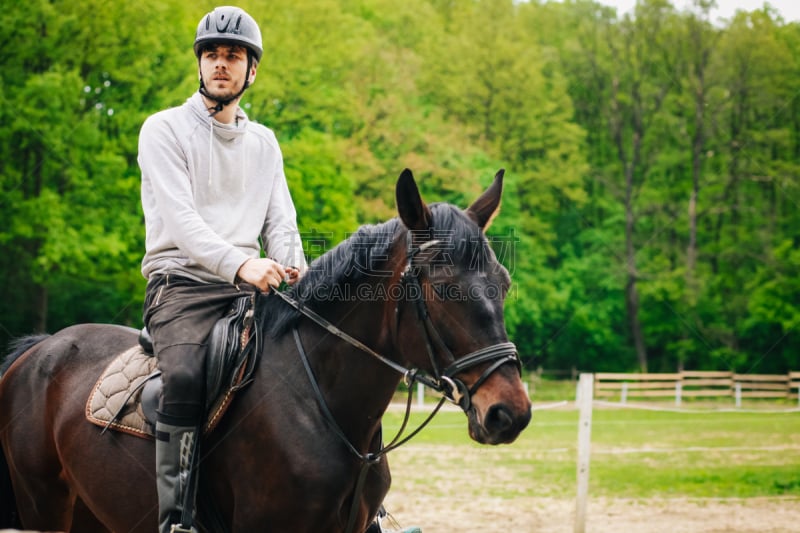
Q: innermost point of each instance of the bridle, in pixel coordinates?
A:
(444, 382)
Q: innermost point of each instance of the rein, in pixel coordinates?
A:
(409, 375)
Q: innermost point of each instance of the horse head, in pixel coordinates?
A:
(451, 320)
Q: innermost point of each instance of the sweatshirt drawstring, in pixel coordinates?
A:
(210, 151)
(244, 159)
(243, 163)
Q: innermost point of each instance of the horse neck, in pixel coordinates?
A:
(356, 386)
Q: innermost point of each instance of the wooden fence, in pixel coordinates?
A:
(697, 384)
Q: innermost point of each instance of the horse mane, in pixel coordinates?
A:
(19, 346)
(362, 255)
(347, 262)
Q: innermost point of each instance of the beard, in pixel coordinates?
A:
(228, 92)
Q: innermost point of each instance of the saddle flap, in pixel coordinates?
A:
(226, 345)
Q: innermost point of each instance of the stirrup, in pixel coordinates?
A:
(383, 515)
(178, 528)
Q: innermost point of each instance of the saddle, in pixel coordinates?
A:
(126, 394)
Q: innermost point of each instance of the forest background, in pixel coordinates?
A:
(650, 217)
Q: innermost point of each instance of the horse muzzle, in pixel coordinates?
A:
(499, 424)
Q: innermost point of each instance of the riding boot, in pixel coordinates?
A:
(176, 480)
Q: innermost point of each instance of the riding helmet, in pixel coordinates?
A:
(229, 25)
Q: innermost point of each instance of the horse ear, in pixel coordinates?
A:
(413, 211)
(484, 209)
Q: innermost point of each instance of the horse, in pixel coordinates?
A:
(416, 298)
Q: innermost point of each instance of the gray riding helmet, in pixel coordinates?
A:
(229, 25)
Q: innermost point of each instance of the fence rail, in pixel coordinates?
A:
(697, 384)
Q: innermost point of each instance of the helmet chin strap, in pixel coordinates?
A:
(222, 102)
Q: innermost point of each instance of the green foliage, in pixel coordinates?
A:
(609, 128)
(322, 189)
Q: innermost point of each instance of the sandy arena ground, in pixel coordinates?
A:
(548, 515)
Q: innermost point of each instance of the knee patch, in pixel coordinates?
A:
(183, 376)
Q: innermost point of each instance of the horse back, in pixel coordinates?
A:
(56, 374)
(65, 354)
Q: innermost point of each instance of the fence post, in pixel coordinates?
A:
(738, 394)
(678, 393)
(624, 394)
(585, 392)
(420, 394)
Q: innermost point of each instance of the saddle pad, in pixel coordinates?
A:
(119, 390)
(125, 374)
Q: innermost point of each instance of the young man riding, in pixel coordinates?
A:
(214, 196)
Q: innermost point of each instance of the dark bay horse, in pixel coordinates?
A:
(299, 450)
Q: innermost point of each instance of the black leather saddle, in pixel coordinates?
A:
(233, 348)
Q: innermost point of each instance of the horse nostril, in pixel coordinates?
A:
(498, 419)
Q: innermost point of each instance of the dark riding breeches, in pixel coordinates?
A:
(179, 314)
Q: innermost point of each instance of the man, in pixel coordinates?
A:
(212, 186)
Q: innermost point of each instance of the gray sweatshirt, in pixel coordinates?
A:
(209, 191)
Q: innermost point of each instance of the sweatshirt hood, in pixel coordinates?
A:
(227, 132)
(217, 131)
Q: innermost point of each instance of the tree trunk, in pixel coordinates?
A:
(40, 305)
(631, 292)
(630, 165)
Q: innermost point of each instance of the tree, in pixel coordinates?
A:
(69, 195)
(753, 199)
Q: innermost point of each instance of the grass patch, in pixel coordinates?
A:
(635, 454)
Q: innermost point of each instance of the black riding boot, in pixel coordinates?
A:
(176, 480)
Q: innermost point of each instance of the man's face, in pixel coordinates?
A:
(224, 69)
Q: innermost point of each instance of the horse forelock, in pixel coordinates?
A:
(462, 237)
(365, 254)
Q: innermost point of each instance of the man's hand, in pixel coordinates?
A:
(292, 275)
(265, 273)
